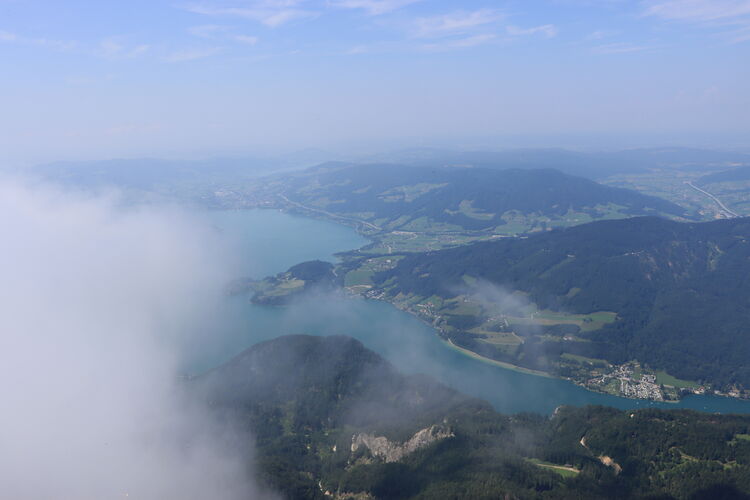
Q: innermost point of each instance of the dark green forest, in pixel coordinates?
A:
(681, 291)
(400, 193)
(735, 175)
(302, 401)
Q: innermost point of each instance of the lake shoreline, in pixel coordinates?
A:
(520, 369)
(501, 364)
(373, 238)
(273, 241)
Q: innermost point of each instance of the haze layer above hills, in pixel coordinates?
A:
(679, 292)
(332, 419)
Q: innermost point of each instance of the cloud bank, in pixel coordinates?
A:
(96, 301)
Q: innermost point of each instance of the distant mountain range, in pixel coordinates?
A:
(593, 165)
(154, 174)
(148, 172)
(741, 174)
(329, 418)
(680, 292)
(237, 182)
(434, 199)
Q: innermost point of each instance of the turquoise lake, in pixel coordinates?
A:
(269, 242)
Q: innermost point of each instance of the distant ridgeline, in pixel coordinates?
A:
(741, 174)
(309, 276)
(594, 165)
(203, 182)
(450, 199)
(328, 418)
(675, 296)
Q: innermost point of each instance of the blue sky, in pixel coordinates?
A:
(105, 78)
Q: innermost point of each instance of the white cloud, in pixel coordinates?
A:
(61, 45)
(740, 35)
(548, 30)
(88, 79)
(440, 45)
(272, 13)
(115, 48)
(6, 36)
(97, 300)
(373, 7)
(359, 49)
(220, 32)
(445, 32)
(208, 30)
(699, 10)
(246, 39)
(619, 48)
(455, 23)
(460, 43)
(731, 16)
(192, 54)
(601, 34)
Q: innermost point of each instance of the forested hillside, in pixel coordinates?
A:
(741, 174)
(434, 199)
(331, 419)
(678, 293)
(594, 165)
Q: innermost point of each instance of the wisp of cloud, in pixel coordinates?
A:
(95, 299)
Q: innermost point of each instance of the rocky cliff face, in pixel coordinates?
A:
(389, 451)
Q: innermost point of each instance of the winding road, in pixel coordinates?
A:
(329, 214)
(715, 199)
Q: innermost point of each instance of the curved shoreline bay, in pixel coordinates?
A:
(272, 241)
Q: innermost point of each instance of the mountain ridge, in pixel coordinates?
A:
(678, 289)
(449, 446)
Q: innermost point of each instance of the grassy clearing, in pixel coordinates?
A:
(667, 379)
(612, 387)
(742, 437)
(498, 338)
(427, 225)
(409, 193)
(586, 322)
(469, 280)
(563, 470)
(363, 274)
(288, 285)
(466, 207)
(501, 364)
(411, 241)
(513, 226)
(283, 288)
(434, 301)
(358, 277)
(459, 307)
(583, 359)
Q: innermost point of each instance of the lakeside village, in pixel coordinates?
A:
(630, 380)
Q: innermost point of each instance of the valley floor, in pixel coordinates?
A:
(630, 380)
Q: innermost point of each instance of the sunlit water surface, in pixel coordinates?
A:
(269, 242)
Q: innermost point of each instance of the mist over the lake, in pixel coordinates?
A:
(98, 301)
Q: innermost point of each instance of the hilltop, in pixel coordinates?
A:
(593, 165)
(331, 419)
(417, 208)
(575, 302)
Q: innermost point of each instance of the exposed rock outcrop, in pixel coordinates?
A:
(390, 451)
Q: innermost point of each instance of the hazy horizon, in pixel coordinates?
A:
(208, 78)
